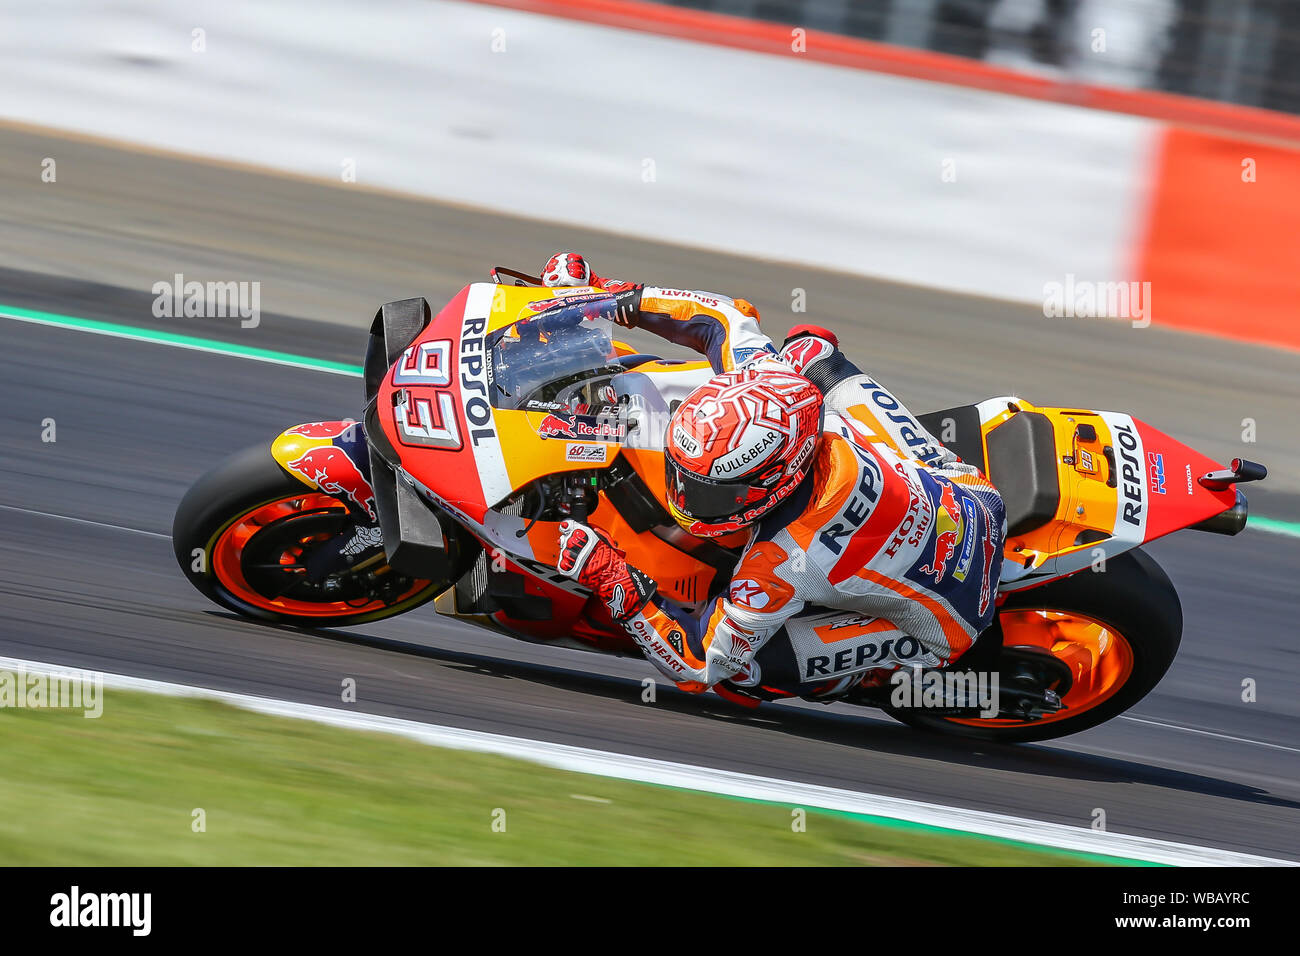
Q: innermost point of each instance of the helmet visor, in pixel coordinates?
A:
(703, 498)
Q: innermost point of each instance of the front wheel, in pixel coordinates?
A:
(1116, 630)
(261, 543)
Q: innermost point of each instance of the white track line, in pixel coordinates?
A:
(1209, 733)
(98, 524)
(689, 777)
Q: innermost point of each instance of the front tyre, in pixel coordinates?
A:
(261, 543)
(1117, 631)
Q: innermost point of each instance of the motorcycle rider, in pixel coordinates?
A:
(871, 546)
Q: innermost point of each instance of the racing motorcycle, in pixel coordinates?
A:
(515, 407)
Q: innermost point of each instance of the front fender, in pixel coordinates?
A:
(331, 457)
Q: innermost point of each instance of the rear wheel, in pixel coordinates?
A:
(261, 543)
(1116, 631)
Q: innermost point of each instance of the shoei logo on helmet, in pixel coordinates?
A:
(801, 457)
(688, 445)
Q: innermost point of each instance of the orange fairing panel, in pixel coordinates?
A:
(1122, 483)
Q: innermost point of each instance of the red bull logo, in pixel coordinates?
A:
(605, 424)
(335, 473)
(950, 529)
(322, 429)
(553, 426)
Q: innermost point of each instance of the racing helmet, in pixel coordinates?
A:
(739, 445)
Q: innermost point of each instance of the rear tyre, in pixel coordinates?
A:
(1133, 601)
(246, 533)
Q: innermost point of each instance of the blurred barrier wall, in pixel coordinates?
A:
(777, 157)
(1237, 51)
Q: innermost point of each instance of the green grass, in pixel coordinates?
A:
(121, 790)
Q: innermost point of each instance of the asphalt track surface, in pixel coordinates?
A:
(87, 577)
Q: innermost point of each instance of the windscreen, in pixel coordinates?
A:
(543, 357)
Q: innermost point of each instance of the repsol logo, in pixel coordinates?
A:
(473, 380)
(861, 503)
(1130, 474)
(909, 429)
(863, 656)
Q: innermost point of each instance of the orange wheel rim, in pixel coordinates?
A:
(1099, 657)
(228, 552)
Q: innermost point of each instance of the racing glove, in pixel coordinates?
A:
(590, 558)
(627, 307)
